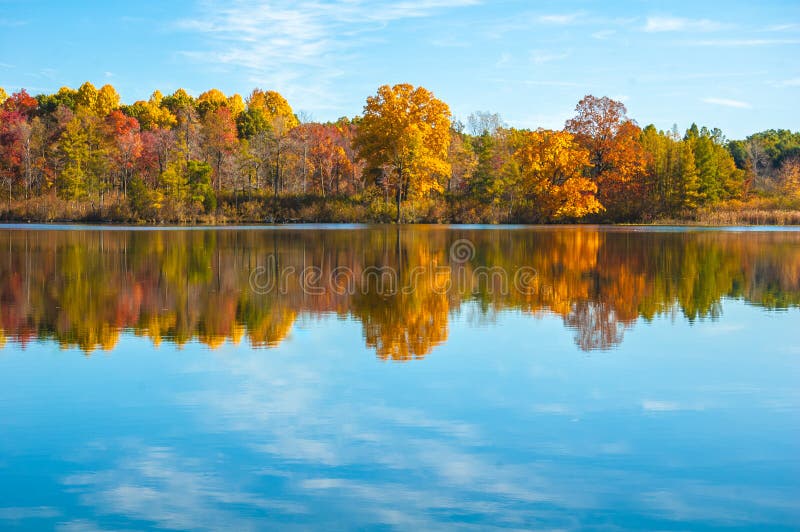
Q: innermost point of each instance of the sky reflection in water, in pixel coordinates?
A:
(644, 380)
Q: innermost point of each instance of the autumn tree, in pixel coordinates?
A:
(404, 134)
(551, 168)
(347, 133)
(86, 97)
(329, 161)
(126, 146)
(188, 128)
(273, 105)
(158, 147)
(617, 160)
(789, 178)
(219, 130)
(16, 136)
(152, 113)
(107, 100)
(462, 159)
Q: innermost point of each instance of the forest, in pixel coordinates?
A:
(83, 155)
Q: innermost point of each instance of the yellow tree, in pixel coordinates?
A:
(211, 100)
(789, 177)
(86, 96)
(107, 100)
(236, 105)
(274, 106)
(270, 110)
(152, 114)
(551, 169)
(405, 133)
(3, 95)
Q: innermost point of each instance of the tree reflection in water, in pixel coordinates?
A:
(84, 287)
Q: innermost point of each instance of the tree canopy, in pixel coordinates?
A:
(84, 154)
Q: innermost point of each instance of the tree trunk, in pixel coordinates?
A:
(399, 212)
(399, 193)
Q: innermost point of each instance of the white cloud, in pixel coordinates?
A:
(449, 42)
(744, 42)
(660, 406)
(794, 82)
(603, 34)
(726, 102)
(282, 44)
(662, 24)
(783, 27)
(651, 405)
(539, 57)
(156, 485)
(560, 19)
(504, 60)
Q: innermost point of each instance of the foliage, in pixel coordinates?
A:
(551, 166)
(617, 160)
(403, 159)
(403, 137)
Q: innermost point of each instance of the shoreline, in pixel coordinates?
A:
(123, 226)
(348, 210)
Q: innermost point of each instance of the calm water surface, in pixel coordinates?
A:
(420, 378)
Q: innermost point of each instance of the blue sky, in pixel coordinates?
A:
(731, 65)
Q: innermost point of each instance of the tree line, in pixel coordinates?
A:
(82, 154)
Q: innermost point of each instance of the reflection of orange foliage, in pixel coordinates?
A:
(271, 331)
(83, 288)
(410, 323)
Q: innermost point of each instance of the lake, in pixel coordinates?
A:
(415, 378)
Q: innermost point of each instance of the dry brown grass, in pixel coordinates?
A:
(757, 211)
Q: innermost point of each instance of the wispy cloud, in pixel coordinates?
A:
(523, 22)
(280, 43)
(794, 82)
(11, 23)
(603, 34)
(18, 513)
(726, 102)
(157, 485)
(504, 60)
(783, 27)
(539, 57)
(652, 405)
(744, 42)
(561, 18)
(533, 82)
(663, 24)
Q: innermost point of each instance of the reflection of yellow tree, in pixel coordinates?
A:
(82, 288)
(411, 321)
(271, 327)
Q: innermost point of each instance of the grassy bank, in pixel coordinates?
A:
(252, 208)
(760, 211)
(362, 208)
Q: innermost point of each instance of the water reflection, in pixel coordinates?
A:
(691, 424)
(82, 288)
